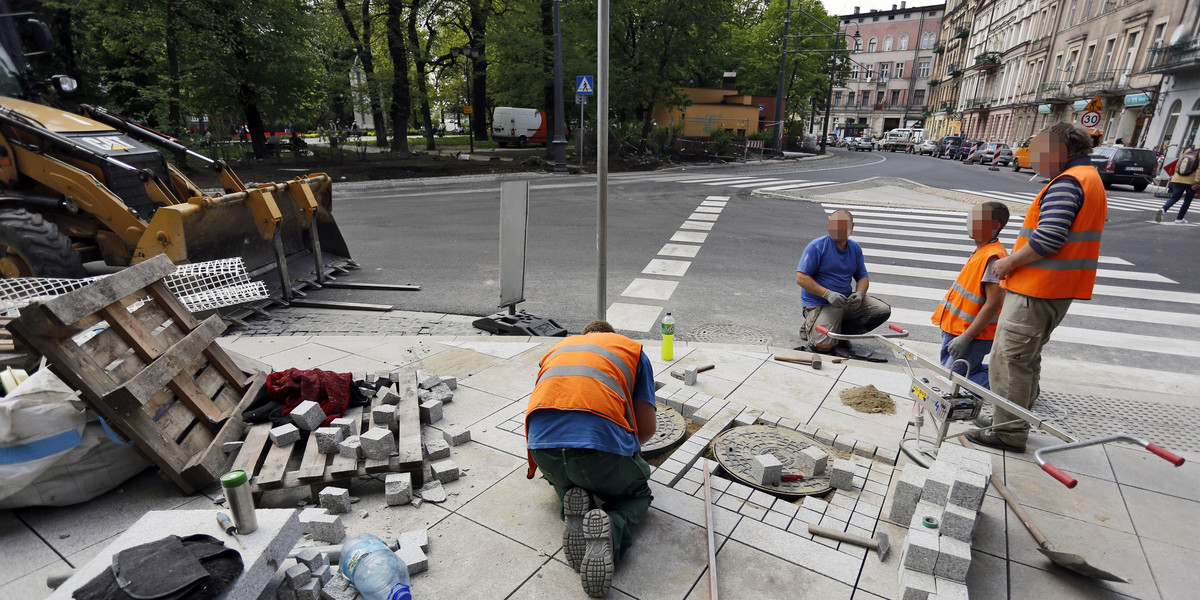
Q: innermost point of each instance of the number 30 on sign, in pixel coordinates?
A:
(1090, 118)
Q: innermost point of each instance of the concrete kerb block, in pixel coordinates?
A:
(908, 491)
(920, 551)
(436, 449)
(812, 461)
(284, 435)
(767, 469)
(383, 415)
(445, 471)
(915, 585)
(415, 558)
(431, 412)
(691, 405)
(841, 474)
(748, 416)
(348, 426)
(703, 415)
(350, 447)
(456, 436)
(339, 588)
(328, 439)
(312, 558)
(938, 482)
(297, 575)
(397, 488)
(309, 591)
(378, 443)
(968, 489)
(308, 415)
(954, 558)
(418, 538)
(335, 500)
(427, 381)
(450, 381)
(958, 522)
(950, 590)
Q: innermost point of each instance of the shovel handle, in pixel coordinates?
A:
(1058, 474)
(1171, 457)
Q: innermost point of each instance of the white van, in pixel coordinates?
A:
(519, 126)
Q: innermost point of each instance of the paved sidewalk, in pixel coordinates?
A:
(498, 535)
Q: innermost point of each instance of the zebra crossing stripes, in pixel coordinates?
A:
(912, 272)
(755, 183)
(1119, 203)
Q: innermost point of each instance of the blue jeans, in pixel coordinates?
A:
(978, 372)
(1180, 190)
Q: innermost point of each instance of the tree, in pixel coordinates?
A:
(366, 59)
(401, 96)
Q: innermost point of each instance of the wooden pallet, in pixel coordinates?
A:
(148, 366)
(276, 467)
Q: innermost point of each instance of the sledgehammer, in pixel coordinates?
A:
(879, 544)
(815, 361)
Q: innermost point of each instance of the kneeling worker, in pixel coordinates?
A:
(968, 313)
(590, 412)
(834, 280)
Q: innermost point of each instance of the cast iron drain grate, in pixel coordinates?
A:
(669, 432)
(1174, 427)
(736, 448)
(730, 333)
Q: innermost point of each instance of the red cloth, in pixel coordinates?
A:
(293, 386)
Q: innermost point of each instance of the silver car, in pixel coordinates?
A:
(927, 147)
(863, 143)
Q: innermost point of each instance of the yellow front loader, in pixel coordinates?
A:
(82, 187)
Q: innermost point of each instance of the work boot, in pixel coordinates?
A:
(984, 418)
(990, 439)
(576, 502)
(596, 570)
(1158, 215)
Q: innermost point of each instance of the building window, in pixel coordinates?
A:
(858, 44)
(895, 97)
(879, 97)
(850, 99)
(899, 69)
(853, 72)
(919, 97)
(1169, 129)
(887, 44)
(885, 70)
(866, 99)
(903, 42)
(1070, 14)
(872, 45)
(923, 69)
(1108, 53)
(869, 72)
(837, 98)
(1091, 54)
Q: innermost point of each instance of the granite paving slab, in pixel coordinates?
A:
(644, 574)
(987, 579)
(1162, 517)
(1094, 500)
(34, 553)
(1030, 582)
(513, 382)
(556, 581)
(741, 568)
(468, 560)
(1174, 568)
(774, 403)
(526, 510)
(1137, 468)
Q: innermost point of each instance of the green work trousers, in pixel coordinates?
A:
(1016, 364)
(620, 482)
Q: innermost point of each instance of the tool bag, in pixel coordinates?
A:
(54, 452)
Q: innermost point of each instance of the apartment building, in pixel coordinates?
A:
(890, 66)
(1177, 111)
(950, 54)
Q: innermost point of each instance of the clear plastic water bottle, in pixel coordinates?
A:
(376, 572)
(668, 337)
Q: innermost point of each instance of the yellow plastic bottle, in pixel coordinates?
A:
(668, 337)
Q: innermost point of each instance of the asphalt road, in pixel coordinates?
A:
(740, 285)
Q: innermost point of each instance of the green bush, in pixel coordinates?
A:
(721, 141)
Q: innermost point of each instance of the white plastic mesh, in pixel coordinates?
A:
(201, 286)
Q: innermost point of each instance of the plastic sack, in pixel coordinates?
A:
(53, 452)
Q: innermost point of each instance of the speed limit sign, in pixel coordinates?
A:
(1090, 118)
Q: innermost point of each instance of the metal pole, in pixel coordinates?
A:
(828, 104)
(601, 155)
(787, 17)
(559, 144)
(581, 132)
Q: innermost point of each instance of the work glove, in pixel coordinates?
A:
(856, 299)
(960, 346)
(835, 299)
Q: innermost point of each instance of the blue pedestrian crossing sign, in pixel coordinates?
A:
(583, 84)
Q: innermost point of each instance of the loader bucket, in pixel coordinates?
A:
(237, 225)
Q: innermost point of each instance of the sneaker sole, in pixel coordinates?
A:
(596, 570)
(576, 503)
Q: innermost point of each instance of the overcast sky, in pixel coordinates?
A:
(845, 7)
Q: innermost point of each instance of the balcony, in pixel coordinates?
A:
(977, 103)
(986, 61)
(1040, 44)
(954, 70)
(1096, 82)
(940, 48)
(933, 82)
(1052, 90)
(961, 34)
(1175, 58)
(946, 108)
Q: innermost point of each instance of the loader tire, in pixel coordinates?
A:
(31, 246)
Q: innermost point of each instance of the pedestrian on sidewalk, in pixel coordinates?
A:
(833, 280)
(1052, 264)
(968, 313)
(1182, 186)
(591, 410)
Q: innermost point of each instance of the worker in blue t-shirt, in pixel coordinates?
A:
(834, 281)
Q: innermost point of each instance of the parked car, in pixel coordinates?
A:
(863, 143)
(1021, 155)
(1119, 165)
(846, 142)
(984, 153)
(927, 147)
(948, 146)
(1004, 157)
(966, 149)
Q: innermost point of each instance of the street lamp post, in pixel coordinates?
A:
(471, 53)
(783, 68)
(787, 18)
(559, 145)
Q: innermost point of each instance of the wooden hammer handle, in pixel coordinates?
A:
(705, 368)
(842, 536)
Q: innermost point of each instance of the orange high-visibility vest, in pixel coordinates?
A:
(593, 373)
(1070, 272)
(964, 299)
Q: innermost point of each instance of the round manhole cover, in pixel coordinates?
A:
(737, 447)
(669, 432)
(730, 333)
